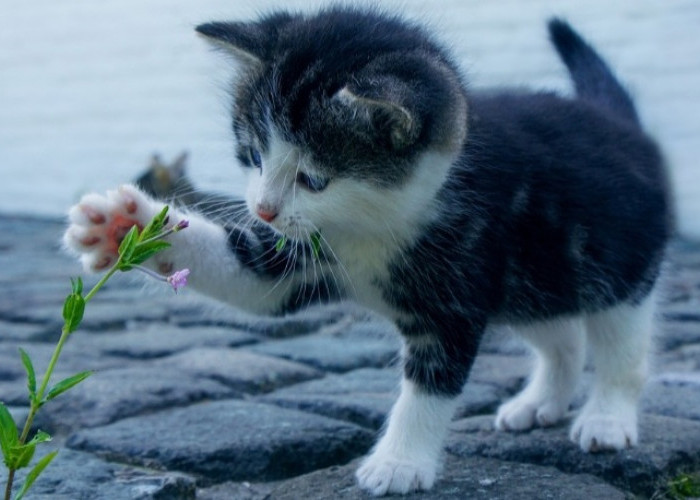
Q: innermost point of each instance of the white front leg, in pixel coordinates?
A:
(98, 223)
(407, 456)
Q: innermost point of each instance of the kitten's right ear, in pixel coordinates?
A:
(245, 41)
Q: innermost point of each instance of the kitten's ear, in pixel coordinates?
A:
(385, 102)
(249, 42)
(245, 41)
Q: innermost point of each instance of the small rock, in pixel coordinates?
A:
(154, 340)
(74, 474)
(228, 440)
(110, 395)
(363, 345)
(243, 371)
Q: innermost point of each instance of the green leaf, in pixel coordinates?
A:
(34, 474)
(20, 456)
(155, 226)
(40, 437)
(73, 310)
(128, 244)
(145, 251)
(315, 240)
(66, 384)
(281, 243)
(77, 285)
(9, 435)
(31, 375)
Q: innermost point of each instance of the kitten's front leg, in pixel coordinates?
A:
(407, 456)
(98, 223)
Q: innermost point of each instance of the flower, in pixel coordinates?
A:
(178, 279)
(184, 223)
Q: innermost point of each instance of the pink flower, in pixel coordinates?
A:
(178, 279)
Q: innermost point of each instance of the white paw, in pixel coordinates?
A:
(602, 431)
(382, 474)
(523, 412)
(98, 224)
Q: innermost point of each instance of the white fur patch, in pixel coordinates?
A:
(202, 247)
(362, 227)
(560, 348)
(406, 458)
(620, 339)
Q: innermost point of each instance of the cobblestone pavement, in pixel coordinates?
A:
(192, 400)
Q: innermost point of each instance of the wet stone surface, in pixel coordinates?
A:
(190, 399)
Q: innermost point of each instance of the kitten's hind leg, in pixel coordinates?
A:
(559, 347)
(620, 339)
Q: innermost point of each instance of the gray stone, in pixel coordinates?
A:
(687, 311)
(674, 334)
(74, 358)
(20, 331)
(73, 474)
(673, 396)
(472, 478)
(110, 395)
(667, 446)
(99, 315)
(354, 345)
(243, 371)
(228, 440)
(362, 396)
(154, 340)
(238, 491)
(302, 323)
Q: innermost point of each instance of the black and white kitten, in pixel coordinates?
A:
(446, 210)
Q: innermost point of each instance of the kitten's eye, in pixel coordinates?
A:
(255, 158)
(313, 184)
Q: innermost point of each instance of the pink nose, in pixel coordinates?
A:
(266, 215)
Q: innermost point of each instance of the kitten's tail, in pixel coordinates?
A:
(593, 79)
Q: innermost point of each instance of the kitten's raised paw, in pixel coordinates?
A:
(99, 223)
(601, 432)
(382, 475)
(522, 413)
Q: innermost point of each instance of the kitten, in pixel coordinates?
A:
(444, 209)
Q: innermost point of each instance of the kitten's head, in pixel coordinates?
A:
(348, 119)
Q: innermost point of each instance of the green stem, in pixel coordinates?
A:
(8, 488)
(35, 405)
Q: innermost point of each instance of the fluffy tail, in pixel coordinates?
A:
(593, 79)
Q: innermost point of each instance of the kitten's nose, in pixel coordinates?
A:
(266, 214)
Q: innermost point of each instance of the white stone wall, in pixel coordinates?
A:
(89, 89)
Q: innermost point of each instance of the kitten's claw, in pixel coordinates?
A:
(98, 223)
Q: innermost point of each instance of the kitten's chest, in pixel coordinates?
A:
(365, 268)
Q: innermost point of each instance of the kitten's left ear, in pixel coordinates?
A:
(385, 102)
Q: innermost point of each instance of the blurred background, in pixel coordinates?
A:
(90, 90)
